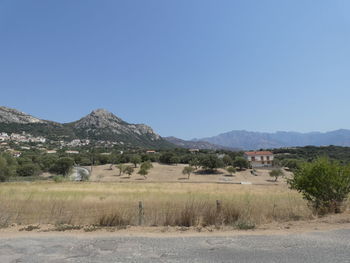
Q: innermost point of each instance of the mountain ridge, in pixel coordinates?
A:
(250, 140)
(100, 125)
(197, 144)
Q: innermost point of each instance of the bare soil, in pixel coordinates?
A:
(173, 173)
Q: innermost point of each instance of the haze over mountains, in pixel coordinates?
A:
(103, 125)
(248, 140)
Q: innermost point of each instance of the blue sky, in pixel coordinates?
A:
(186, 68)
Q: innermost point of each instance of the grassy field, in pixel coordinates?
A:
(116, 204)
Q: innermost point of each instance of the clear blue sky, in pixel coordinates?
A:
(186, 68)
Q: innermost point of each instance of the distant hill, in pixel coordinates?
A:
(98, 125)
(262, 140)
(197, 144)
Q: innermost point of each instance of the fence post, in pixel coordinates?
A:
(218, 206)
(141, 213)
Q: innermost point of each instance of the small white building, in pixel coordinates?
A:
(259, 158)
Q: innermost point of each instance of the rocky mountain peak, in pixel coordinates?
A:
(8, 115)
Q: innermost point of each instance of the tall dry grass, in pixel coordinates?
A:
(174, 204)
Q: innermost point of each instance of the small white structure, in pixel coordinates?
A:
(259, 158)
(72, 152)
(80, 174)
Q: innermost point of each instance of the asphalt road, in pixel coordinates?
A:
(332, 246)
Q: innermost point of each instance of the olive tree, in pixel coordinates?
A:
(231, 170)
(188, 170)
(121, 167)
(275, 173)
(135, 159)
(129, 170)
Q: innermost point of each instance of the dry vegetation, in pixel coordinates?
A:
(116, 204)
(167, 200)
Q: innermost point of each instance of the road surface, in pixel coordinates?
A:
(331, 246)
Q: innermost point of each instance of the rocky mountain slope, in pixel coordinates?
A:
(8, 115)
(98, 125)
(103, 125)
(256, 140)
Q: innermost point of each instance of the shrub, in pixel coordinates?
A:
(324, 183)
(115, 219)
(58, 178)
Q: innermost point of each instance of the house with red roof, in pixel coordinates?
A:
(259, 158)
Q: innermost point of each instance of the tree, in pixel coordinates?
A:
(28, 169)
(166, 158)
(62, 166)
(103, 159)
(114, 158)
(7, 168)
(188, 170)
(240, 162)
(211, 162)
(175, 160)
(227, 160)
(143, 172)
(324, 183)
(231, 170)
(135, 159)
(144, 168)
(292, 164)
(276, 173)
(129, 170)
(146, 165)
(47, 161)
(121, 168)
(194, 163)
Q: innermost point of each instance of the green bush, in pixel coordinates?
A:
(62, 166)
(7, 167)
(28, 169)
(58, 178)
(324, 183)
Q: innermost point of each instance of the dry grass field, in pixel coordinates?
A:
(110, 200)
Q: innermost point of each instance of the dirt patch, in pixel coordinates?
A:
(173, 173)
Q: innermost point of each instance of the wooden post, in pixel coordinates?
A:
(218, 206)
(141, 213)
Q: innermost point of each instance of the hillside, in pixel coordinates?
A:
(99, 125)
(256, 140)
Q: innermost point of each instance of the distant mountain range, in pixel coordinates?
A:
(104, 126)
(197, 144)
(98, 125)
(248, 140)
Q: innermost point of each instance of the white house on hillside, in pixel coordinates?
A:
(259, 158)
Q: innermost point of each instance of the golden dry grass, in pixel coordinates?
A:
(164, 203)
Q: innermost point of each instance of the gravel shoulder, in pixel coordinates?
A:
(324, 246)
